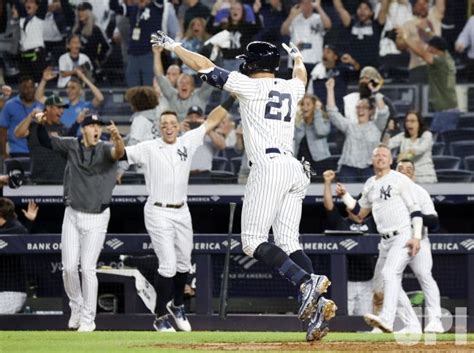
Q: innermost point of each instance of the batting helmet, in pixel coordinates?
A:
(259, 57)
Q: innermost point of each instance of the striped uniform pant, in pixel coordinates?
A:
(82, 239)
(273, 198)
(393, 259)
(171, 233)
(421, 266)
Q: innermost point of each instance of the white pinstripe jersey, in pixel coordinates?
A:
(268, 108)
(166, 167)
(392, 201)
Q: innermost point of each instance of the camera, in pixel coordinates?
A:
(392, 35)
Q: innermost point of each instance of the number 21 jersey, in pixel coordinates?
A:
(268, 109)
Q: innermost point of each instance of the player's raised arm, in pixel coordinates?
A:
(350, 202)
(195, 61)
(218, 114)
(299, 70)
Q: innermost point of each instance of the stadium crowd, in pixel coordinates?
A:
(86, 51)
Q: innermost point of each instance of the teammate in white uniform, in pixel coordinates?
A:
(277, 182)
(389, 195)
(166, 163)
(89, 179)
(422, 263)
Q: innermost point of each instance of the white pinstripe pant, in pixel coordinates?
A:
(421, 266)
(171, 233)
(273, 198)
(393, 259)
(82, 239)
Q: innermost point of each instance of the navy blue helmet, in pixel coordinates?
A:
(259, 57)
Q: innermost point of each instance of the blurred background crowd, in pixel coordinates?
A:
(66, 57)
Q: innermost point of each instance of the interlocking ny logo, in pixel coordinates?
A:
(114, 243)
(3, 244)
(349, 244)
(468, 244)
(183, 154)
(385, 192)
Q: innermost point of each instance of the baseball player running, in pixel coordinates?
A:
(88, 183)
(422, 263)
(399, 221)
(166, 163)
(277, 182)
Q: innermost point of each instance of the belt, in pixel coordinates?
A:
(390, 234)
(271, 150)
(159, 204)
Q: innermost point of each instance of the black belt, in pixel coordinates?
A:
(268, 151)
(167, 205)
(390, 234)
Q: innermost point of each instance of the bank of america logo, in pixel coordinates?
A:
(3, 244)
(349, 244)
(233, 243)
(244, 261)
(468, 244)
(114, 243)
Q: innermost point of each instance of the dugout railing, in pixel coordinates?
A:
(455, 254)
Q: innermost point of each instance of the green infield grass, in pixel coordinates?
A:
(139, 341)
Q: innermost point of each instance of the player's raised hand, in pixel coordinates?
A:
(340, 189)
(161, 39)
(292, 51)
(329, 176)
(413, 245)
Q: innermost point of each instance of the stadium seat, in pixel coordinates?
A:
(446, 162)
(229, 153)
(220, 164)
(466, 122)
(235, 164)
(438, 148)
(456, 176)
(469, 163)
(462, 148)
(223, 177)
(114, 103)
(131, 177)
(457, 135)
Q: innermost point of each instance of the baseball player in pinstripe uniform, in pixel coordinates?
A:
(89, 179)
(422, 263)
(397, 215)
(277, 182)
(166, 163)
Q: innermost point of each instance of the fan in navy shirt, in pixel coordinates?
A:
(145, 18)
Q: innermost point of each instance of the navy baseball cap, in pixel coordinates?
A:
(195, 110)
(333, 48)
(92, 119)
(439, 43)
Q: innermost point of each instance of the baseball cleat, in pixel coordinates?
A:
(163, 324)
(434, 326)
(317, 327)
(86, 327)
(311, 290)
(179, 316)
(74, 321)
(375, 321)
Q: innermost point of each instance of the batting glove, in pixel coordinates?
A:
(292, 51)
(160, 39)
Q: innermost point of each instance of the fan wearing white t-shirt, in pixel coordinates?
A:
(71, 60)
(306, 29)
